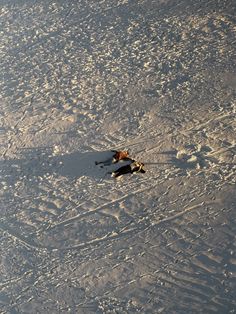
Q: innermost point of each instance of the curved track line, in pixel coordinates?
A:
(97, 209)
(134, 229)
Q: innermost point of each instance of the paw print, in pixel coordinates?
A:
(194, 157)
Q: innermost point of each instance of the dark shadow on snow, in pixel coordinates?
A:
(40, 162)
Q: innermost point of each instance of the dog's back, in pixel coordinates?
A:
(120, 155)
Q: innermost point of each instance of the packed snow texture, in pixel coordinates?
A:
(79, 79)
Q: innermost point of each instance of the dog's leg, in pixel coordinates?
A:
(105, 162)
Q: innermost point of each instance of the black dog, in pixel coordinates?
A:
(132, 168)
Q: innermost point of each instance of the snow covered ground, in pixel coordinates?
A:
(79, 78)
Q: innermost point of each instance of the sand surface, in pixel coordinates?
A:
(79, 78)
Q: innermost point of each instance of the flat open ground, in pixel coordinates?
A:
(79, 78)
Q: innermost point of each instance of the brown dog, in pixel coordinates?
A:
(118, 155)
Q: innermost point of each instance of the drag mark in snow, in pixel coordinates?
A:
(138, 227)
(17, 237)
(96, 210)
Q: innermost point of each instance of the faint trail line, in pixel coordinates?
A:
(141, 140)
(223, 150)
(14, 280)
(107, 237)
(136, 229)
(99, 240)
(211, 120)
(148, 150)
(186, 210)
(97, 209)
(22, 240)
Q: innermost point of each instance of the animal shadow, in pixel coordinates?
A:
(40, 162)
